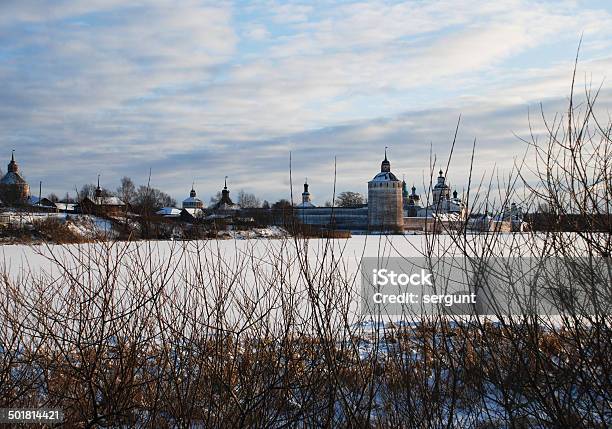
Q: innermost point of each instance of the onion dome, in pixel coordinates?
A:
(441, 181)
(192, 201)
(12, 177)
(305, 197)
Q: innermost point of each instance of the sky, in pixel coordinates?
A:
(194, 91)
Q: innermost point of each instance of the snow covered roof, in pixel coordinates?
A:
(106, 201)
(169, 211)
(217, 216)
(225, 206)
(65, 206)
(192, 210)
(305, 205)
(446, 216)
(12, 178)
(192, 200)
(41, 202)
(385, 177)
(195, 212)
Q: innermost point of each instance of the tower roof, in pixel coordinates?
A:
(441, 181)
(193, 199)
(12, 177)
(385, 166)
(385, 174)
(12, 166)
(305, 197)
(225, 203)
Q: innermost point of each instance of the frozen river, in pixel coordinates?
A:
(229, 281)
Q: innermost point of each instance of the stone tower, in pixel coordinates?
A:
(14, 190)
(385, 201)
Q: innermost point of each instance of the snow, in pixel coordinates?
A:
(12, 178)
(169, 211)
(89, 226)
(196, 213)
(70, 207)
(385, 177)
(107, 201)
(86, 226)
(112, 201)
(192, 200)
(247, 262)
(255, 233)
(16, 218)
(225, 206)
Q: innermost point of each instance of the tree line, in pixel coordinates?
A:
(145, 198)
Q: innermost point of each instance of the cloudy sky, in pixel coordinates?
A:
(198, 90)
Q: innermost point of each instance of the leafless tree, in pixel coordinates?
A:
(248, 200)
(349, 199)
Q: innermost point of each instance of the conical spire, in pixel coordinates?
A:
(225, 198)
(385, 166)
(225, 192)
(98, 189)
(12, 166)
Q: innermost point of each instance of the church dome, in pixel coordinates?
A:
(441, 181)
(12, 178)
(13, 188)
(193, 201)
(385, 177)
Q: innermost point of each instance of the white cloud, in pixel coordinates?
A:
(166, 84)
(257, 32)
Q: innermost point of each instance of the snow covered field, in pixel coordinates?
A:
(260, 271)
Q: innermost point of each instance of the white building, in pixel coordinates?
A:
(306, 200)
(193, 202)
(443, 203)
